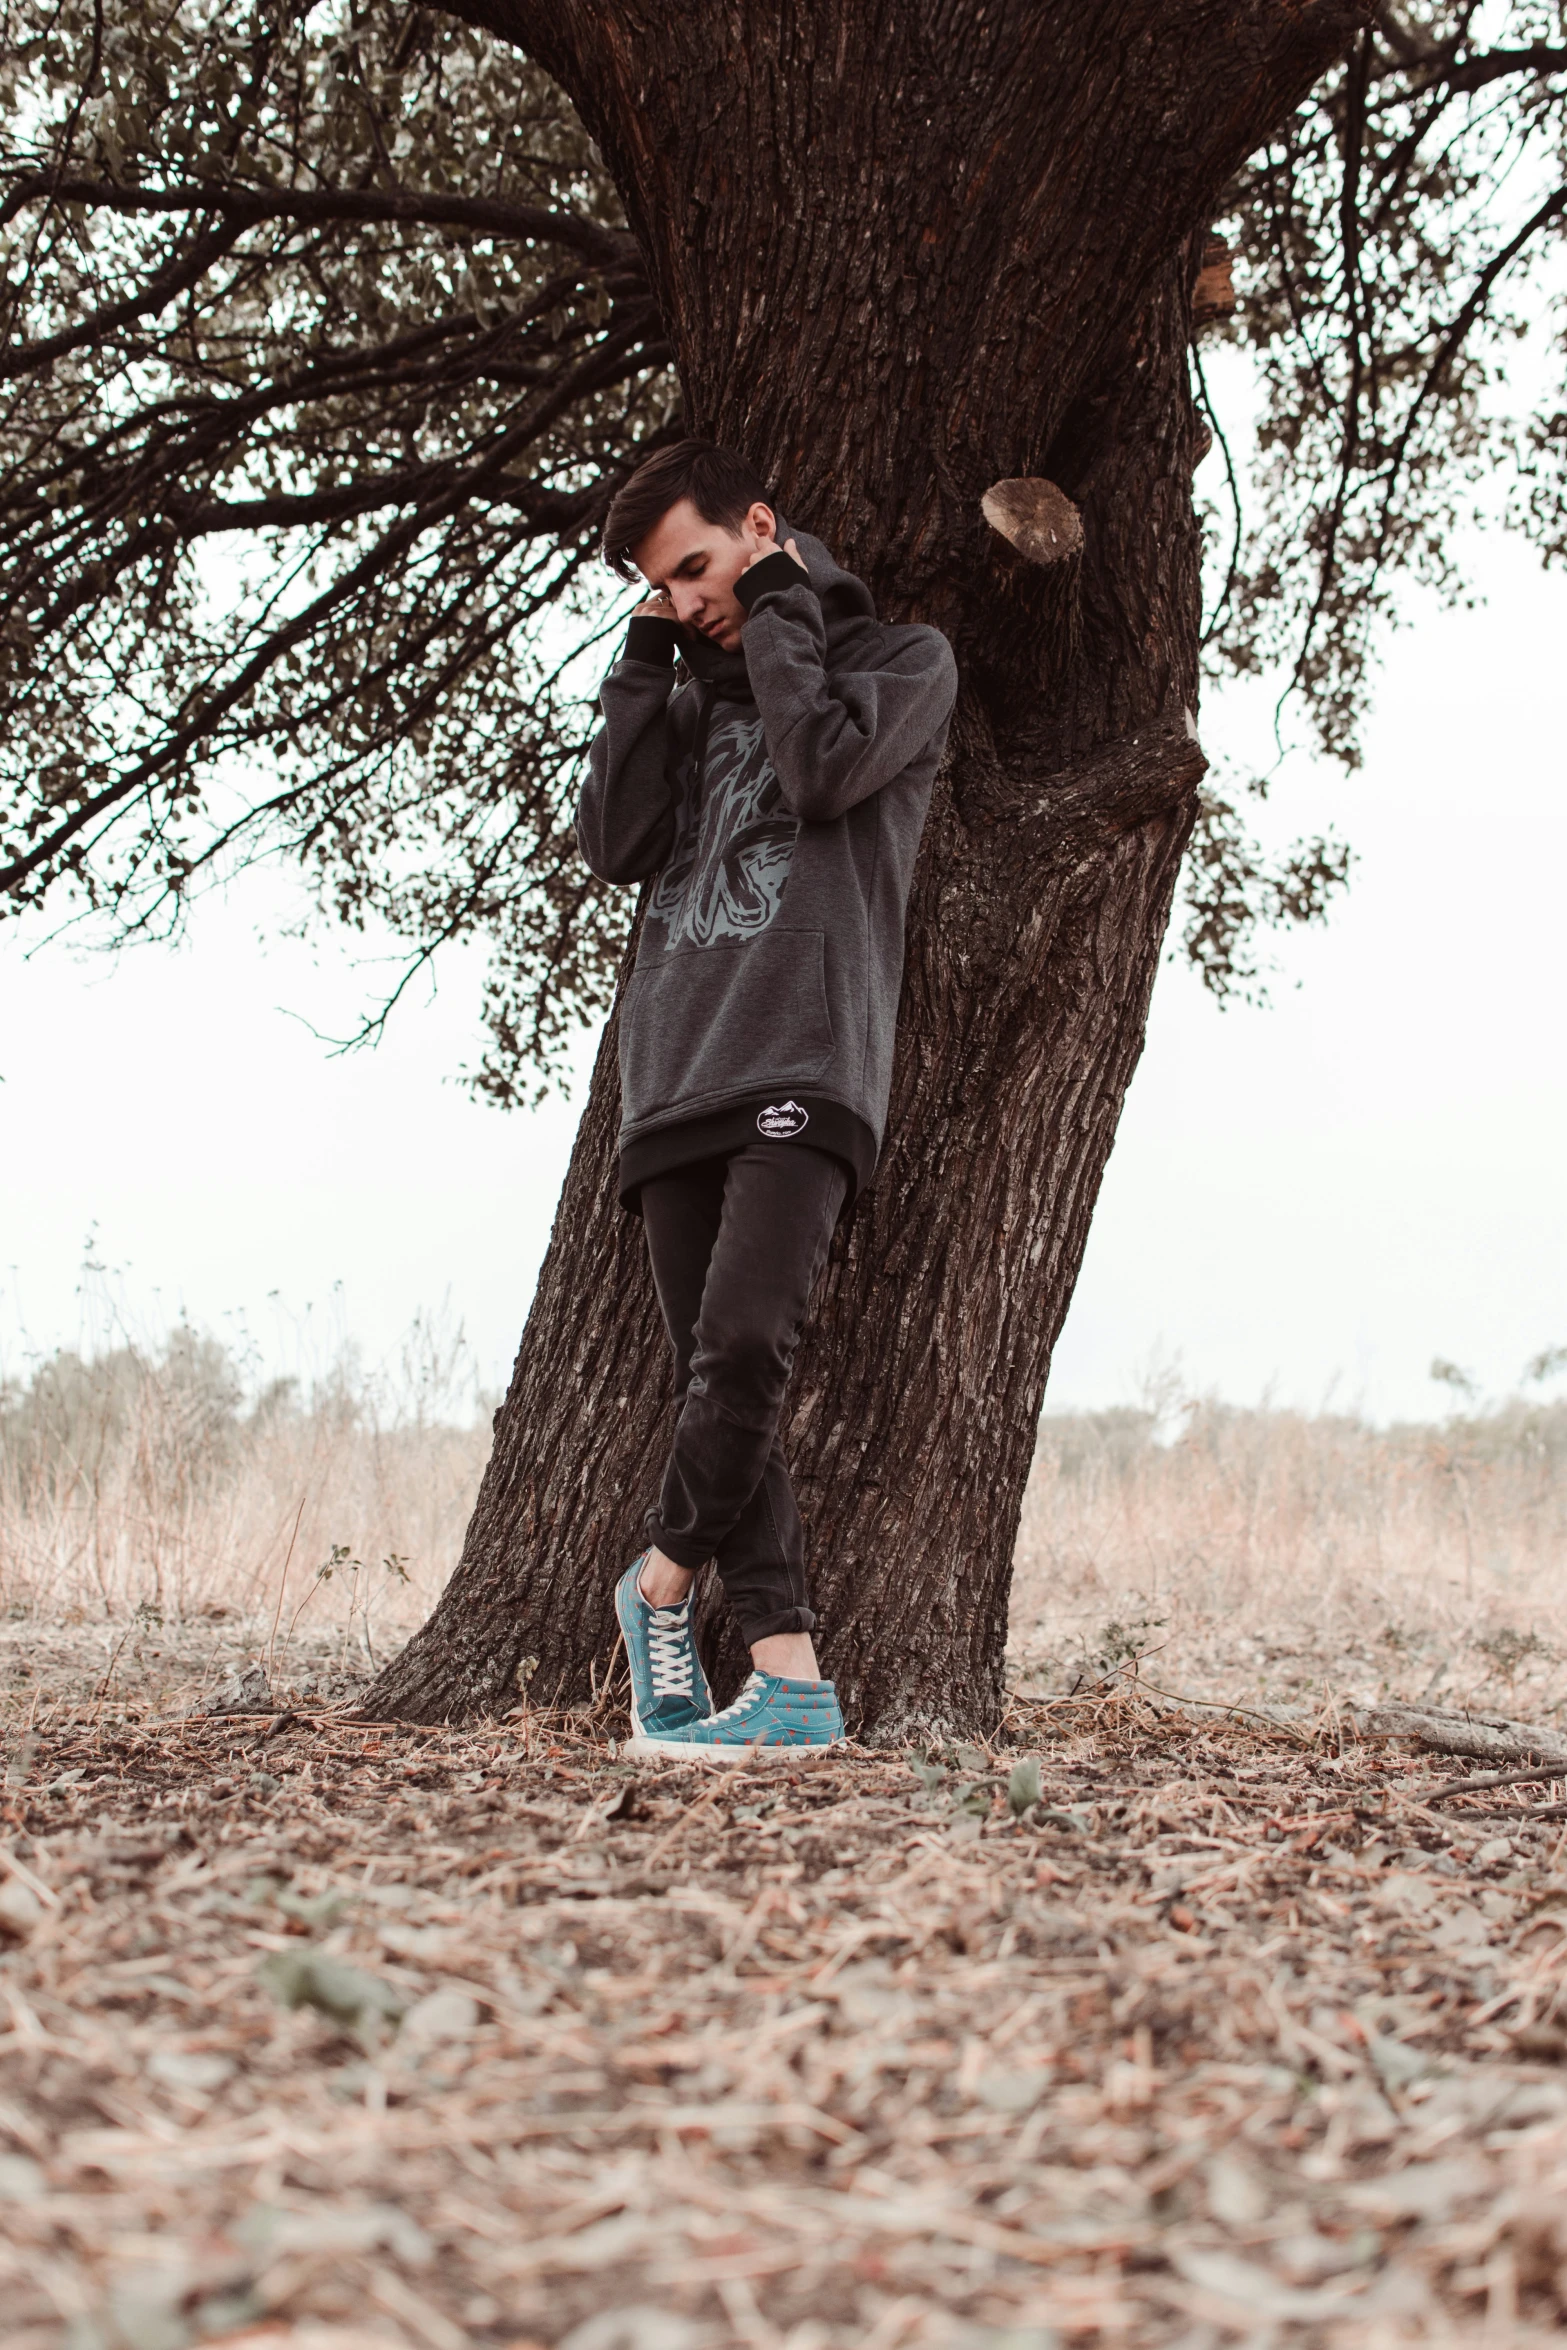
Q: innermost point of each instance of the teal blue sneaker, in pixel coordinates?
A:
(668, 1689)
(769, 1711)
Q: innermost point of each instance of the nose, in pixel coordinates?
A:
(687, 597)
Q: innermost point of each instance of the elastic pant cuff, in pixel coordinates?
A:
(693, 1556)
(784, 1619)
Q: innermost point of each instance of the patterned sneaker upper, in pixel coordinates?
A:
(668, 1688)
(769, 1711)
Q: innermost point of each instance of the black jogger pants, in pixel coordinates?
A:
(737, 1245)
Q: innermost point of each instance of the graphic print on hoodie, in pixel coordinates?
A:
(734, 838)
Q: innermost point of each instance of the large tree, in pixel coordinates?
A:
(331, 331)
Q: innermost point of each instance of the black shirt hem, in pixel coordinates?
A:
(791, 1117)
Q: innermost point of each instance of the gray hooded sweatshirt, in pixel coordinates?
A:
(775, 797)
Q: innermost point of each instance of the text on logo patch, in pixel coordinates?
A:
(780, 1120)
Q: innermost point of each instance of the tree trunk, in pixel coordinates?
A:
(905, 260)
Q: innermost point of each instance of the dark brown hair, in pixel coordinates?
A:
(721, 486)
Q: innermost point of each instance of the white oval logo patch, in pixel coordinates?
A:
(782, 1120)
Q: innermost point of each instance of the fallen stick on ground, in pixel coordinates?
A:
(1484, 1781)
(1488, 1737)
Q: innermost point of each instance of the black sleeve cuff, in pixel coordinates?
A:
(651, 639)
(770, 577)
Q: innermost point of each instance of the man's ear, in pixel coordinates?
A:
(762, 520)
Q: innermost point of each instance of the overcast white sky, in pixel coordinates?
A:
(1309, 1201)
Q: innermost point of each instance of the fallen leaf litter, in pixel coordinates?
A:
(1140, 2029)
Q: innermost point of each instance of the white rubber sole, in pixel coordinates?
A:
(642, 1741)
(688, 1750)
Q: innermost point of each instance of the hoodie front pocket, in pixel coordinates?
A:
(712, 1020)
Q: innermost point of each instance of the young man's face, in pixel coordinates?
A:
(695, 564)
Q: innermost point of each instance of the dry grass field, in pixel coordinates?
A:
(1283, 1554)
(1302, 1558)
(1222, 2029)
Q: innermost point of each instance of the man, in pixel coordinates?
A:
(773, 793)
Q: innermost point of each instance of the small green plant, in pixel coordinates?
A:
(341, 1561)
(1117, 1645)
(341, 1557)
(957, 1779)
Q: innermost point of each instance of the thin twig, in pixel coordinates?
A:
(726, 1776)
(1221, 1706)
(24, 1876)
(282, 1586)
(103, 1686)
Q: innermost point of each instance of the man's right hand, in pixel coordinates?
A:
(656, 607)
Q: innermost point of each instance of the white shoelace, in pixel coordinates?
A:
(748, 1697)
(669, 1652)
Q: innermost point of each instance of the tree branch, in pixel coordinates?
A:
(1479, 294)
(556, 511)
(592, 375)
(19, 284)
(1356, 82)
(604, 248)
(328, 374)
(1435, 68)
(1477, 72)
(179, 273)
(1131, 781)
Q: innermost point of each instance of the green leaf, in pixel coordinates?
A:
(363, 2003)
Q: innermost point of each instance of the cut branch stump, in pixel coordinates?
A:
(1213, 295)
(1035, 518)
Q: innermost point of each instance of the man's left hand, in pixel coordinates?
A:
(772, 548)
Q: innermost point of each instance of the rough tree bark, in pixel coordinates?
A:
(907, 255)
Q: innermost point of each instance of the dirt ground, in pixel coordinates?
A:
(318, 2034)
